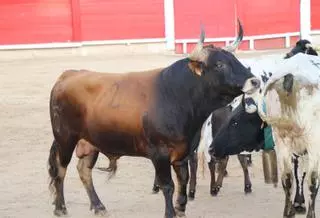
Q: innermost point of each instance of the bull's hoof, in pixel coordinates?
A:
(60, 212)
(300, 208)
(215, 190)
(191, 194)
(155, 189)
(247, 189)
(99, 209)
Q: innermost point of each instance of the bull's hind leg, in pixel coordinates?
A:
(85, 165)
(244, 164)
(59, 159)
(193, 163)
(156, 187)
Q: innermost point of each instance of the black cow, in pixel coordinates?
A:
(154, 114)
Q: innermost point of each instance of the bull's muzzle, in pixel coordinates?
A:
(251, 85)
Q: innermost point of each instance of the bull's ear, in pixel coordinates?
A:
(288, 83)
(195, 67)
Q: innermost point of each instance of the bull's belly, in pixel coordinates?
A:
(119, 144)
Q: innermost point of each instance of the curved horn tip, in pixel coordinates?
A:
(202, 33)
(240, 31)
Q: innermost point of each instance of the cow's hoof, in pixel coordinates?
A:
(311, 214)
(99, 209)
(180, 213)
(105, 169)
(155, 189)
(289, 213)
(214, 191)
(225, 173)
(191, 195)
(247, 189)
(60, 212)
(300, 208)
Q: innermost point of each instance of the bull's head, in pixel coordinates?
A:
(220, 67)
(302, 46)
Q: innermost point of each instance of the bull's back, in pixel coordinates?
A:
(104, 102)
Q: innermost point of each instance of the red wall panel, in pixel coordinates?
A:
(315, 14)
(269, 17)
(35, 21)
(122, 19)
(217, 16)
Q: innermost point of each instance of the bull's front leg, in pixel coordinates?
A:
(162, 166)
(182, 172)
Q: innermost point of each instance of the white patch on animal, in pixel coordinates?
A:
(295, 115)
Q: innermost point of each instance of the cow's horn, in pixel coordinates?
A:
(198, 53)
(237, 41)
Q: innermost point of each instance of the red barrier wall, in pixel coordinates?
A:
(121, 19)
(218, 18)
(35, 21)
(45, 21)
(315, 14)
(269, 17)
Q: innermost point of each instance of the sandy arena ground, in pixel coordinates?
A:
(25, 140)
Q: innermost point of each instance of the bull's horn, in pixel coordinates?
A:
(314, 47)
(198, 54)
(237, 41)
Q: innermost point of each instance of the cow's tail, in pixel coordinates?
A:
(201, 156)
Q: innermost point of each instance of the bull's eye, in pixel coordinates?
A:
(234, 124)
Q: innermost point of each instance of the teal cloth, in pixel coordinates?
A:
(268, 138)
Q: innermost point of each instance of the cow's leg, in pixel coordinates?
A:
(163, 171)
(222, 165)
(249, 160)
(299, 201)
(156, 186)
(193, 162)
(182, 172)
(85, 165)
(313, 182)
(244, 164)
(59, 158)
(287, 179)
(212, 169)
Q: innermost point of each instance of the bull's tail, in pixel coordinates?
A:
(53, 167)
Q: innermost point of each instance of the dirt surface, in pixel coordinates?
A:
(25, 140)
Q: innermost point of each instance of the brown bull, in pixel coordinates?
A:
(153, 114)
